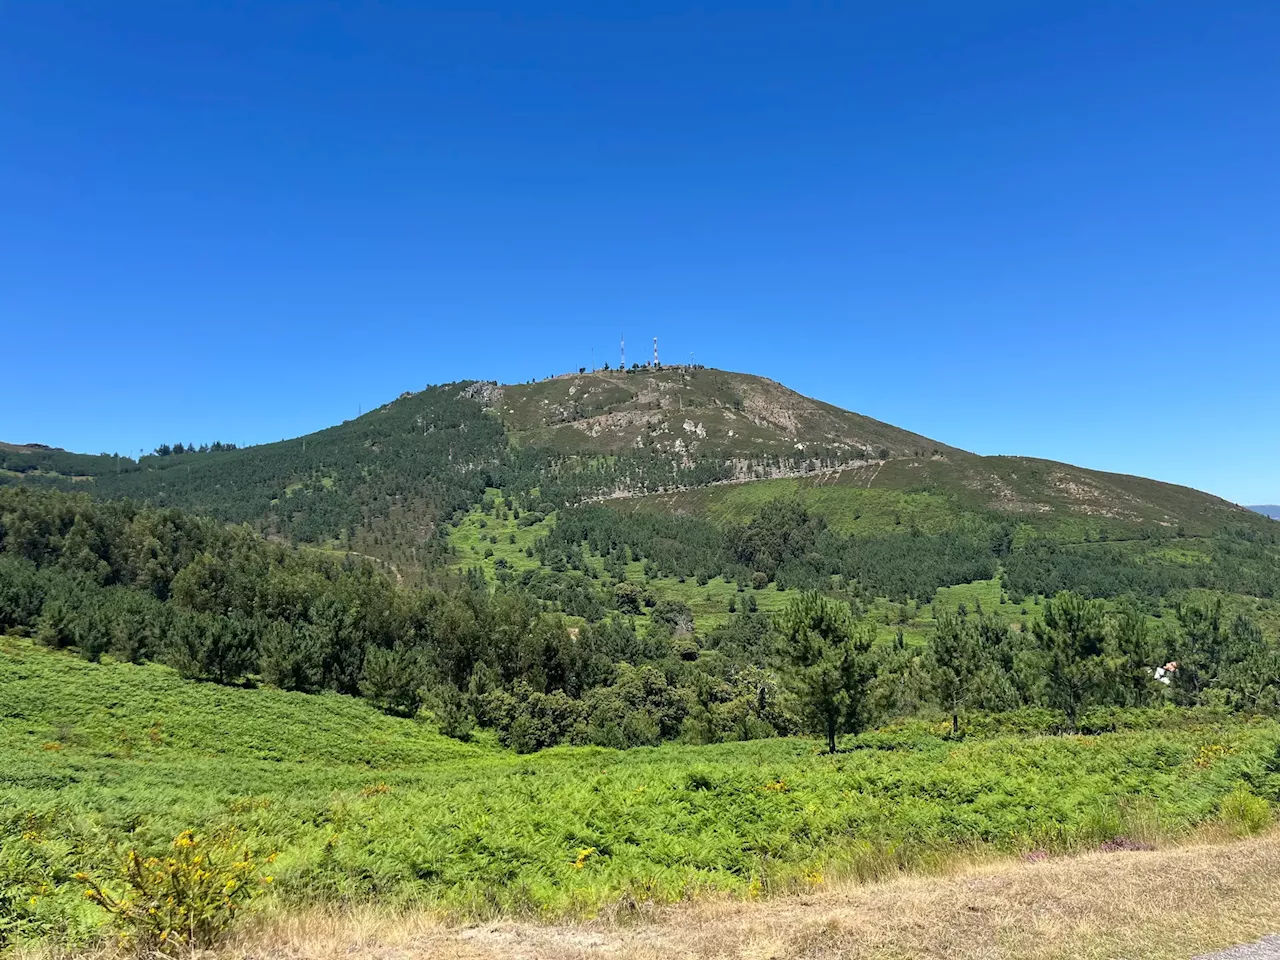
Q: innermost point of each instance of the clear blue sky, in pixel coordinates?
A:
(1047, 228)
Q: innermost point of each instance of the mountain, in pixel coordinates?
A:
(1267, 510)
(679, 440)
(765, 431)
(697, 412)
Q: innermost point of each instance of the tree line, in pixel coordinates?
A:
(222, 604)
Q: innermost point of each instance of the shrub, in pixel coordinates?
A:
(453, 712)
(1243, 813)
(392, 679)
(185, 900)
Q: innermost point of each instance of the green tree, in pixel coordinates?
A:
(392, 679)
(1072, 637)
(956, 661)
(826, 660)
(1250, 672)
(1132, 656)
(453, 711)
(1199, 651)
(207, 647)
(292, 658)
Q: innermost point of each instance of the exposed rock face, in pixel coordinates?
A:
(486, 392)
(717, 414)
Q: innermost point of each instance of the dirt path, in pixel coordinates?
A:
(1268, 948)
(1173, 903)
(822, 475)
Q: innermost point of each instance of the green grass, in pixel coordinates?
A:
(367, 807)
(842, 499)
(963, 491)
(480, 532)
(710, 602)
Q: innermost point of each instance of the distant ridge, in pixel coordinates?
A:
(1271, 510)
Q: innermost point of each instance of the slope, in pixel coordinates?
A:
(376, 484)
(759, 430)
(100, 758)
(1071, 503)
(690, 438)
(697, 412)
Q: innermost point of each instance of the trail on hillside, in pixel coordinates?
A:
(817, 473)
(1171, 903)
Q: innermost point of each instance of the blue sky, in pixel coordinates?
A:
(1040, 228)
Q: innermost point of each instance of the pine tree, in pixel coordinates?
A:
(826, 660)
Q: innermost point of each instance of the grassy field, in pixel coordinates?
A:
(1042, 499)
(101, 758)
(481, 540)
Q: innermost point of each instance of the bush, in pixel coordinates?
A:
(186, 900)
(453, 712)
(392, 679)
(1244, 813)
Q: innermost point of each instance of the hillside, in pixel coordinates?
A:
(765, 431)
(940, 492)
(101, 758)
(697, 412)
(376, 484)
(684, 439)
(33, 459)
(636, 640)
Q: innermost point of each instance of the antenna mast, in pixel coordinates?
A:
(622, 352)
(655, 353)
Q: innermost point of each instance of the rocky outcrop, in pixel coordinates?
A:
(486, 392)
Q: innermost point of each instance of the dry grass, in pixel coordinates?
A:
(1167, 903)
(1174, 903)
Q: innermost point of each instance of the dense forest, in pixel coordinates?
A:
(220, 603)
(390, 474)
(791, 546)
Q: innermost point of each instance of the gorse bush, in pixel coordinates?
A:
(187, 899)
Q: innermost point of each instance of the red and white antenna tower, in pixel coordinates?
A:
(622, 352)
